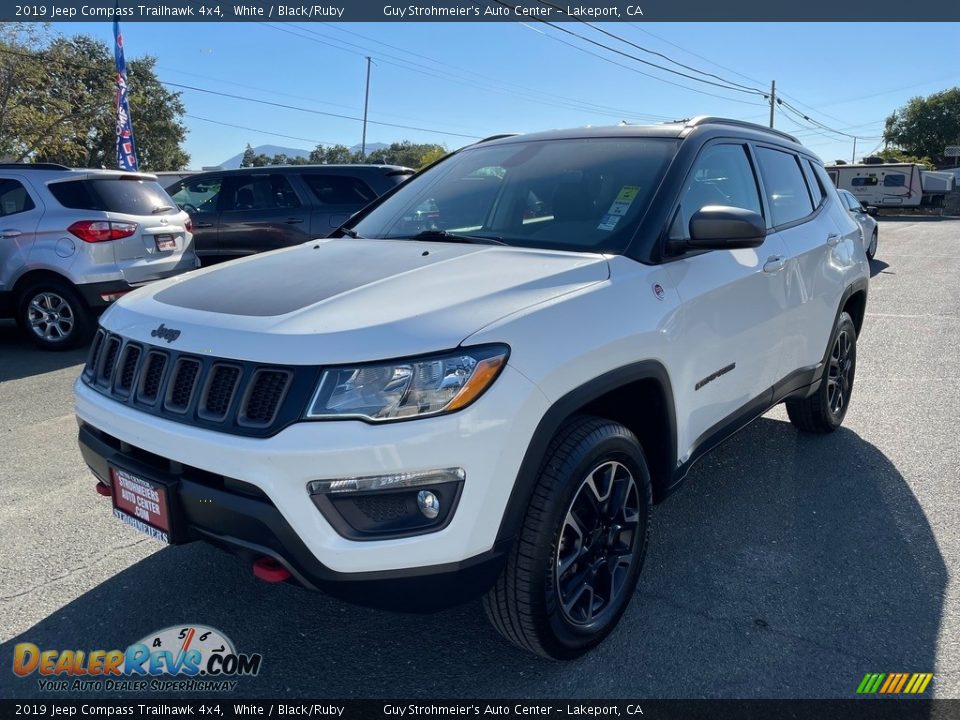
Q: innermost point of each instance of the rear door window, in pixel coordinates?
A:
(260, 192)
(816, 191)
(783, 182)
(119, 195)
(14, 198)
(339, 189)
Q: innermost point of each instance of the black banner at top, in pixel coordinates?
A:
(480, 11)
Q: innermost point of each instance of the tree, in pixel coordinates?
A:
(59, 105)
(892, 155)
(248, 157)
(333, 155)
(924, 126)
(407, 153)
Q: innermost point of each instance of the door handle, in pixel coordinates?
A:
(10, 233)
(293, 221)
(774, 264)
(202, 225)
(833, 239)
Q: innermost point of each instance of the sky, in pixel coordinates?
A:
(457, 82)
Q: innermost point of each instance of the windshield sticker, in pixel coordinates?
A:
(619, 207)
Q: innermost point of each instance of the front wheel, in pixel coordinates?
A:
(54, 315)
(576, 563)
(823, 412)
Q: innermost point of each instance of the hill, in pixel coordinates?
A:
(234, 162)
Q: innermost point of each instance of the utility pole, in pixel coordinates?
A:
(853, 157)
(366, 103)
(773, 99)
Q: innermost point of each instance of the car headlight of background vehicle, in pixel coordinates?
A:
(415, 387)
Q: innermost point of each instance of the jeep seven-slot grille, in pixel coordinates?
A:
(231, 396)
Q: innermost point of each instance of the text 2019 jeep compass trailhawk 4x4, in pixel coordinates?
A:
(484, 381)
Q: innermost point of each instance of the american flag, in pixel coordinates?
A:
(126, 147)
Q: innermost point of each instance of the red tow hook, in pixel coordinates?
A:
(104, 490)
(269, 570)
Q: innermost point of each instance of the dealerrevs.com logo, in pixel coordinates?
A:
(176, 659)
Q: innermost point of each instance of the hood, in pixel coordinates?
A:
(342, 300)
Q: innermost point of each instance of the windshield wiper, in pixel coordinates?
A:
(161, 208)
(350, 233)
(444, 236)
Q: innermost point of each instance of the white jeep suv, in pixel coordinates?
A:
(485, 380)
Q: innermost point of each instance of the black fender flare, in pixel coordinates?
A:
(563, 408)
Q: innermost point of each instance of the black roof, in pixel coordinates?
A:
(675, 129)
(282, 169)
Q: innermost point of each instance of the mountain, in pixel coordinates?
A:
(271, 150)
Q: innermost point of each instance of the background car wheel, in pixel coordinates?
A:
(824, 411)
(576, 562)
(54, 316)
(872, 247)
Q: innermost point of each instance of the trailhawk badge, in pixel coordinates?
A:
(165, 333)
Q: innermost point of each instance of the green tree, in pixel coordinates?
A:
(248, 157)
(407, 153)
(60, 105)
(924, 126)
(333, 155)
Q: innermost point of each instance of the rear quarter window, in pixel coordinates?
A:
(130, 197)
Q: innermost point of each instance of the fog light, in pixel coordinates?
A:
(428, 503)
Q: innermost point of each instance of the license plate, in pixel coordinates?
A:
(142, 504)
(165, 242)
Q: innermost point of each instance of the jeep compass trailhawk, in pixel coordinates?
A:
(483, 382)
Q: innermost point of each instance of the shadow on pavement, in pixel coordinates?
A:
(788, 566)
(19, 358)
(877, 267)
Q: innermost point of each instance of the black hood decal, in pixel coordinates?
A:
(283, 282)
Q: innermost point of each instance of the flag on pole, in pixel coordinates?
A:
(126, 148)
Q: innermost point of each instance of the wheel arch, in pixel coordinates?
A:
(639, 396)
(854, 302)
(38, 274)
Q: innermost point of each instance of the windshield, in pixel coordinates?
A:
(581, 194)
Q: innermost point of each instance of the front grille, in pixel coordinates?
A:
(221, 387)
(109, 361)
(180, 390)
(263, 399)
(241, 398)
(128, 368)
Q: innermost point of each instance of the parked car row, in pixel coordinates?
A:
(72, 241)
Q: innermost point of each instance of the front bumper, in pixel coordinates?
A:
(268, 511)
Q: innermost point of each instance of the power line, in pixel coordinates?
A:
(529, 94)
(258, 130)
(271, 103)
(633, 69)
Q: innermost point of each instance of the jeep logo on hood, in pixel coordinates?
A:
(165, 333)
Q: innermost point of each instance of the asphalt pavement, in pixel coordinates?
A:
(788, 566)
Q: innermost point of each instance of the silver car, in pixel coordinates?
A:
(863, 215)
(73, 241)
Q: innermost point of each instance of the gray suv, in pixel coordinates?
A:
(73, 241)
(250, 210)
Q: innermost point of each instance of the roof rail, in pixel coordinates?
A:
(496, 137)
(704, 119)
(33, 166)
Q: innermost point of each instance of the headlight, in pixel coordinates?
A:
(400, 389)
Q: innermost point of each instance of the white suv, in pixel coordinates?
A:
(487, 379)
(73, 241)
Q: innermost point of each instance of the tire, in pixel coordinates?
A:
(823, 412)
(872, 247)
(539, 602)
(53, 315)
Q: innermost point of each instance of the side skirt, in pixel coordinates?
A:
(797, 385)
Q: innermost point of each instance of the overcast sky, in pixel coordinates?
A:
(476, 79)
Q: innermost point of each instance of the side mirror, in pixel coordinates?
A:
(719, 227)
(870, 210)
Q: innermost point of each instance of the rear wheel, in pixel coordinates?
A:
(577, 560)
(823, 412)
(53, 315)
(872, 247)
